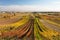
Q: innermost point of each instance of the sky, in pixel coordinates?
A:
(29, 5)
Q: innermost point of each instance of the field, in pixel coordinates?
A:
(30, 26)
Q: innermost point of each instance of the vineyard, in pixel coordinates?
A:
(29, 26)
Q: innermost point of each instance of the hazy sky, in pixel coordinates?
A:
(29, 5)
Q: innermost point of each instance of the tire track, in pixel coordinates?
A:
(16, 32)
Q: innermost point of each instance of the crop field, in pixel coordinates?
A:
(29, 26)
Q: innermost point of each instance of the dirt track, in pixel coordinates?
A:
(26, 30)
(51, 26)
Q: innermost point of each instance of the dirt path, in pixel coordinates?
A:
(51, 26)
(25, 31)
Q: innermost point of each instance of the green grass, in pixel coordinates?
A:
(36, 31)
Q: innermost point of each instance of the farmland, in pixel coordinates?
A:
(29, 26)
